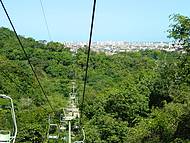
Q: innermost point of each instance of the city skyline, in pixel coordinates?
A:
(123, 20)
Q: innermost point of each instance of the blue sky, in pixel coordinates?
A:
(69, 20)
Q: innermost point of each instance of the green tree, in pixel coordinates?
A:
(180, 30)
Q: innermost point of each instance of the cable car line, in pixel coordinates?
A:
(45, 19)
(43, 91)
(35, 74)
(88, 57)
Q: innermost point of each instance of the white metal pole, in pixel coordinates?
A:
(14, 120)
(83, 134)
(69, 131)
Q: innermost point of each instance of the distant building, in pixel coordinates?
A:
(112, 47)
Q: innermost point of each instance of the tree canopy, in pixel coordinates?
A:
(131, 97)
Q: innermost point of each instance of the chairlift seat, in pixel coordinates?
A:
(72, 97)
(5, 137)
(53, 125)
(63, 128)
(53, 137)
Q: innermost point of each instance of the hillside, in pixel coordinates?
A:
(131, 97)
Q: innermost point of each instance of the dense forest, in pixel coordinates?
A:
(130, 97)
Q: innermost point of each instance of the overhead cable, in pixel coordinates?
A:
(45, 19)
(87, 59)
(24, 51)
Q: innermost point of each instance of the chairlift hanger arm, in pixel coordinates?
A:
(13, 138)
(5, 96)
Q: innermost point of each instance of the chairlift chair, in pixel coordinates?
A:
(83, 137)
(53, 131)
(72, 96)
(71, 113)
(7, 136)
(62, 123)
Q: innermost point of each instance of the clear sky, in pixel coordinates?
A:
(69, 20)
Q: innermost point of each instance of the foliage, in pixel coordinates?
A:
(130, 97)
(180, 30)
